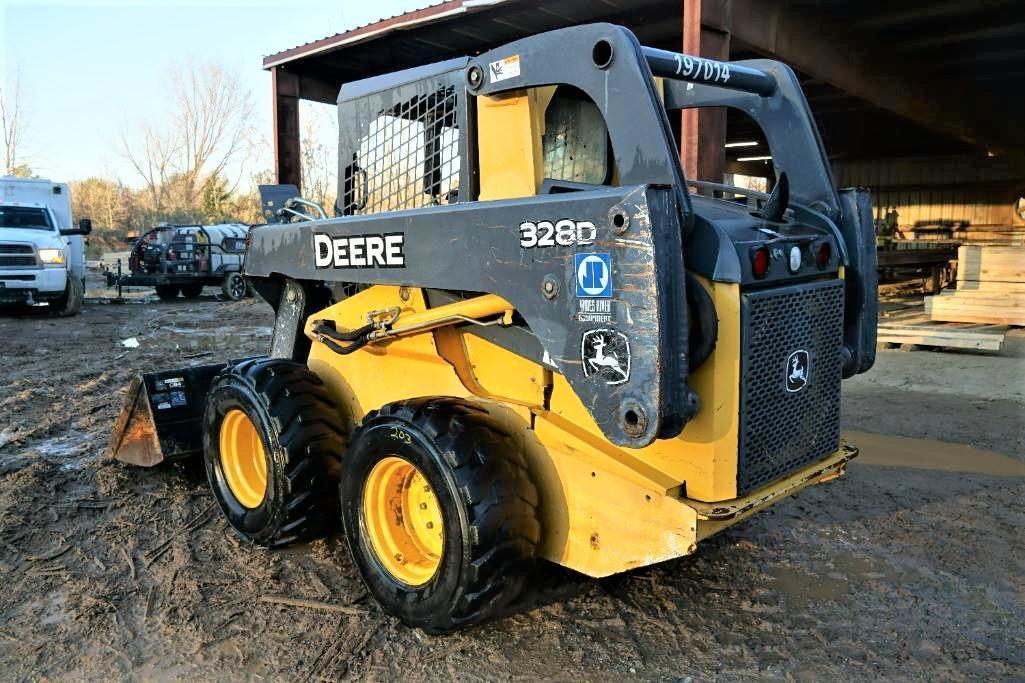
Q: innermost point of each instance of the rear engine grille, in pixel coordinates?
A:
(791, 346)
(15, 249)
(17, 261)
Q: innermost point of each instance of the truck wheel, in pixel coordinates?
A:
(440, 512)
(271, 446)
(70, 303)
(192, 290)
(234, 286)
(167, 292)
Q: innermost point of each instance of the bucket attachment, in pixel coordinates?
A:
(162, 418)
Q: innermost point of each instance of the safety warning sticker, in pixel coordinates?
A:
(504, 68)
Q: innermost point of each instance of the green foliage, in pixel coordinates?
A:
(218, 203)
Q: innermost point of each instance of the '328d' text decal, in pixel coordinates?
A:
(562, 233)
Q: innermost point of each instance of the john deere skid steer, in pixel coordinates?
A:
(523, 336)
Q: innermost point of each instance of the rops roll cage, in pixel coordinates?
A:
(474, 246)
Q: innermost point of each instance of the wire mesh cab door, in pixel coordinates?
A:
(402, 140)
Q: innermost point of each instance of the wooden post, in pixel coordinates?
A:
(286, 127)
(703, 131)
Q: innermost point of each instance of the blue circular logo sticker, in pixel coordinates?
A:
(594, 275)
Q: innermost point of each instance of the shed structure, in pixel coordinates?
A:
(921, 101)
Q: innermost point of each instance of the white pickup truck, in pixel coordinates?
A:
(42, 257)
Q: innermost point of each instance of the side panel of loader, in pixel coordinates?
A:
(598, 516)
(604, 509)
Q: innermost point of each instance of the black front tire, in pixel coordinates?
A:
(299, 430)
(488, 503)
(234, 287)
(71, 301)
(167, 292)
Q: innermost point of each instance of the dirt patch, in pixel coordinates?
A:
(112, 571)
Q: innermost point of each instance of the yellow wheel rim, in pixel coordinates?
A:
(403, 521)
(242, 459)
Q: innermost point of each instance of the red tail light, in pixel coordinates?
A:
(824, 254)
(760, 262)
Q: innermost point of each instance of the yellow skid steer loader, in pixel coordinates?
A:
(525, 335)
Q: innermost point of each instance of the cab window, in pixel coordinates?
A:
(575, 146)
(25, 218)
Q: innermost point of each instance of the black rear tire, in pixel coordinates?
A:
(167, 292)
(192, 290)
(488, 505)
(234, 287)
(299, 430)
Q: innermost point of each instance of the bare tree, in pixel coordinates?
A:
(209, 126)
(153, 159)
(11, 125)
(213, 113)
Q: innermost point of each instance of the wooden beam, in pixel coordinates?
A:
(860, 65)
(896, 15)
(706, 33)
(961, 310)
(318, 89)
(1000, 302)
(935, 334)
(286, 127)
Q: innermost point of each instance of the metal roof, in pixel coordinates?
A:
(368, 31)
(974, 51)
(461, 27)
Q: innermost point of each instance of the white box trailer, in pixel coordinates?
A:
(42, 255)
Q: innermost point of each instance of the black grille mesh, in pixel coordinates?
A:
(17, 261)
(782, 430)
(15, 249)
(408, 158)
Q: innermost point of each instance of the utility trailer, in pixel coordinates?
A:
(182, 259)
(524, 338)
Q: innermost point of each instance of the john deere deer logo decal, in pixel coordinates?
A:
(606, 353)
(798, 370)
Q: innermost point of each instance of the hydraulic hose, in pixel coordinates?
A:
(330, 337)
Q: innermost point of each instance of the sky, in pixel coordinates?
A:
(90, 73)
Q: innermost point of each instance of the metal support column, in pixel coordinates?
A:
(706, 33)
(286, 126)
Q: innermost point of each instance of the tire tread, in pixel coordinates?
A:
(497, 491)
(302, 414)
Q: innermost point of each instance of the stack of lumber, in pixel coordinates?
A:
(931, 232)
(963, 233)
(911, 327)
(993, 235)
(990, 288)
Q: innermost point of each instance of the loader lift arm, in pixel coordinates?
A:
(439, 253)
(643, 224)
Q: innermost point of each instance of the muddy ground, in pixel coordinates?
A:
(910, 567)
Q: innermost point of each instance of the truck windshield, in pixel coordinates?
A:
(25, 218)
